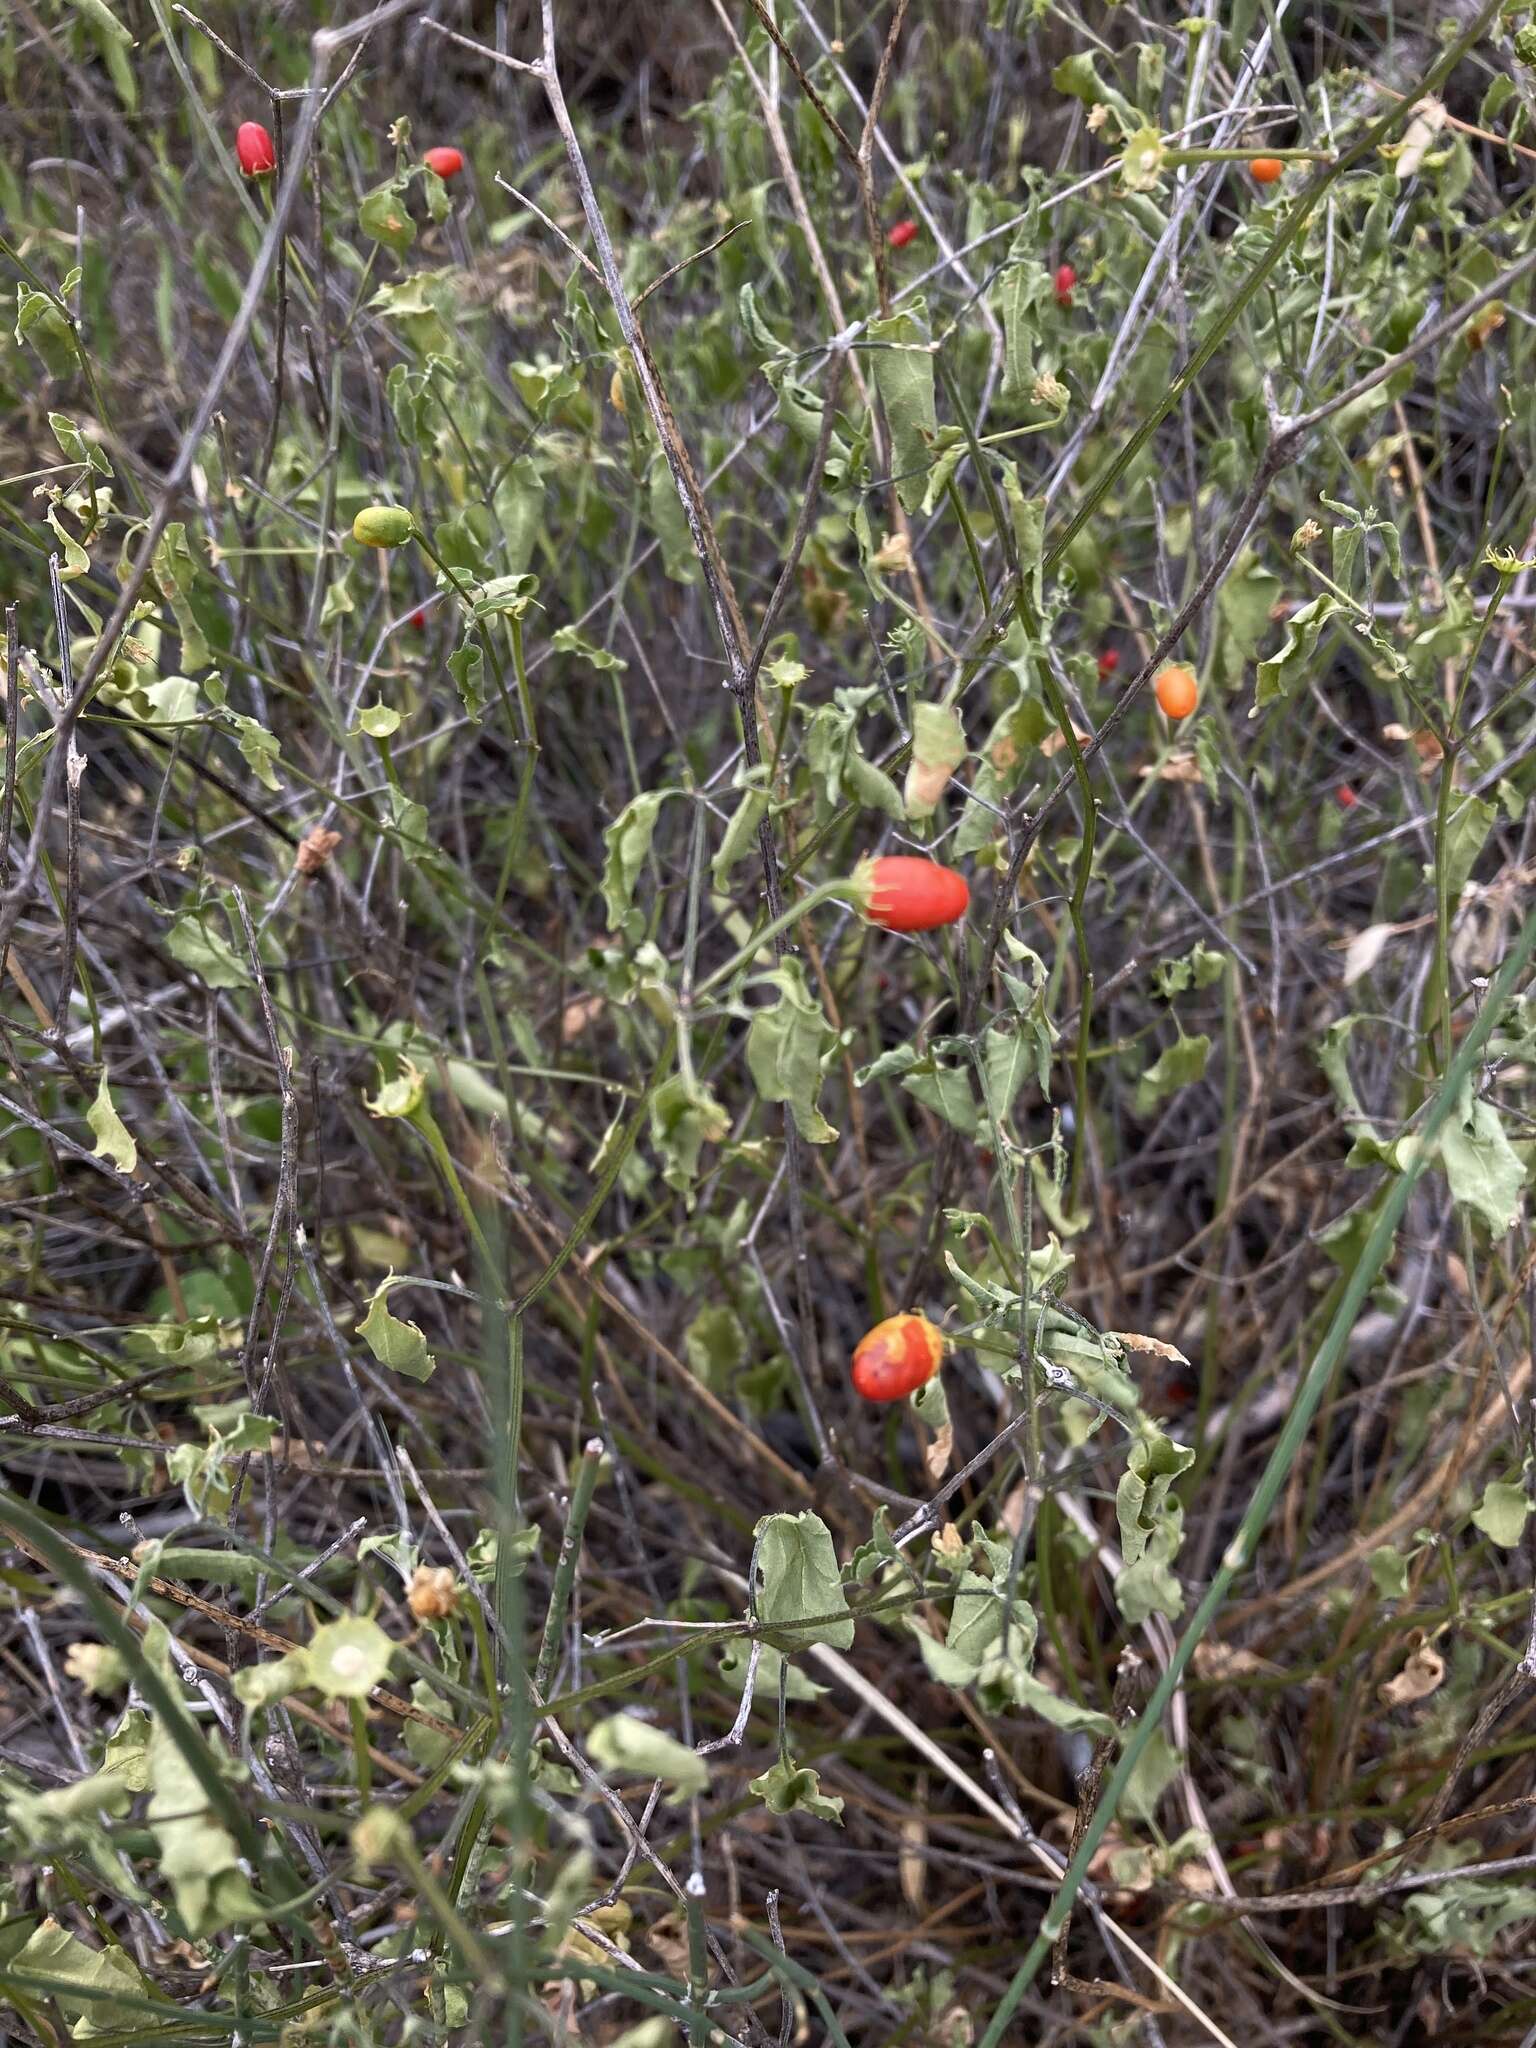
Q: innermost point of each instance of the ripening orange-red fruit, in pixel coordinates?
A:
(1109, 661)
(1177, 691)
(903, 892)
(1346, 797)
(1266, 170)
(902, 233)
(445, 161)
(1066, 277)
(253, 150)
(897, 1357)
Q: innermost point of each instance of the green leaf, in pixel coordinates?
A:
(800, 1580)
(938, 748)
(1389, 1572)
(1467, 829)
(40, 322)
(685, 1117)
(1286, 671)
(1156, 1768)
(566, 640)
(670, 524)
(1483, 1168)
(903, 367)
(199, 1858)
(1151, 1528)
(384, 217)
(54, 1954)
(741, 833)
(346, 1659)
(628, 840)
(736, 1661)
(176, 571)
(113, 1139)
(100, 15)
(399, 1345)
(1501, 1512)
(1024, 293)
(466, 665)
(869, 785)
(789, 1787)
(1197, 969)
(258, 747)
(786, 1042)
(1248, 595)
(715, 1346)
(626, 1745)
(194, 944)
(1175, 1067)
(261, 1685)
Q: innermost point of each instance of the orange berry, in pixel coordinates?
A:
(1177, 691)
(897, 1357)
(1266, 170)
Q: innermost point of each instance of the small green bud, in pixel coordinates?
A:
(383, 526)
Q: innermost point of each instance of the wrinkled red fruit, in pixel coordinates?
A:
(904, 231)
(1066, 277)
(1109, 661)
(897, 1357)
(445, 161)
(903, 892)
(253, 148)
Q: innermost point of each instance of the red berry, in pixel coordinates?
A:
(1109, 661)
(1266, 170)
(419, 618)
(445, 161)
(253, 148)
(1346, 797)
(897, 1357)
(903, 892)
(1066, 277)
(904, 231)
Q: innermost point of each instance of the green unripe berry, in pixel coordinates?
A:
(383, 526)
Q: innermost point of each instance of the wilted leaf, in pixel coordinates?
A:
(1501, 1512)
(1419, 1677)
(938, 748)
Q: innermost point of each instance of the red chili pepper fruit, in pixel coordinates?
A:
(897, 1357)
(903, 892)
(253, 149)
(445, 161)
(1109, 661)
(904, 231)
(1066, 277)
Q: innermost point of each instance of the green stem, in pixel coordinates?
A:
(587, 1477)
(1275, 1474)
